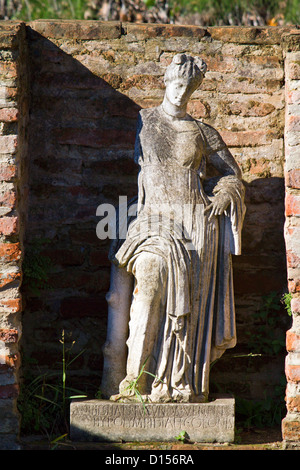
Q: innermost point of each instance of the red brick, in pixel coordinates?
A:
(9, 114)
(7, 278)
(294, 285)
(293, 97)
(246, 108)
(8, 143)
(295, 305)
(12, 361)
(293, 260)
(292, 341)
(8, 199)
(8, 225)
(293, 404)
(292, 373)
(13, 305)
(198, 109)
(8, 69)
(292, 204)
(293, 71)
(8, 336)
(10, 252)
(291, 429)
(142, 82)
(77, 30)
(248, 34)
(7, 172)
(144, 31)
(293, 123)
(292, 179)
(248, 138)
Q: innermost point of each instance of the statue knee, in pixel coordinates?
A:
(150, 273)
(113, 298)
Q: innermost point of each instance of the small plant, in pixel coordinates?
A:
(286, 300)
(43, 402)
(182, 436)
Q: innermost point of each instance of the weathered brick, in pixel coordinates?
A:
(8, 143)
(293, 96)
(9, 114)
(292, 179)
(295, 305)
(291, 428)
(142, 82)
(8, 278)
(293, 341)
(293, 404)
(8, 336)
(294, 285)
(7, 172)
(198, 109)
(10, 252)
(292, 204)
(248, 138)
(8, 199)
(8, 70)
(293, 123)
(293, 373)
(293, 259)
(290, 40)
(246, 85)
(12, 305)
(144, 31)
(9, 225)
(246, 108)
(12, 361)
(248, 34)
(293, 71)
(70, 29)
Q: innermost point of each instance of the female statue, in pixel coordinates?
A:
(172, 275)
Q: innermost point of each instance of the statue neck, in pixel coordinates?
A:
(172, 110)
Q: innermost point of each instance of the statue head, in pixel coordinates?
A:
(183, 76)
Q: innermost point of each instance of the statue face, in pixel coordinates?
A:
(178, 91)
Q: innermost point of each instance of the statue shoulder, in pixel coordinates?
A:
(212, 137)
(147, 113)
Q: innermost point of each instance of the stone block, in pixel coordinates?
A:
(104, 420)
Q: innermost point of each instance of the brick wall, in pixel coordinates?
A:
(291, 424)
(87, 81)
(13, 189)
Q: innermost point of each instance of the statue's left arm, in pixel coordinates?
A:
(227, 190)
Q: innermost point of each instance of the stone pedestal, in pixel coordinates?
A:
(103, 420)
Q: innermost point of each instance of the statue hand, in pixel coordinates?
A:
(218, 205)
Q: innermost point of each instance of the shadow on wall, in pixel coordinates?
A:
(81, 142)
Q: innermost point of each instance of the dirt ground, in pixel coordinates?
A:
(252, 439)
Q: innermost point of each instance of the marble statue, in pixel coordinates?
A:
(171, 301)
